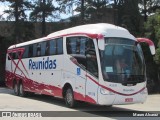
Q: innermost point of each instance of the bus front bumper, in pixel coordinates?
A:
(110, 98)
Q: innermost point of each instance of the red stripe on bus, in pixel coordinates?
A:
(19, 59)
(145, 40)
(111, 90)
(33, 86)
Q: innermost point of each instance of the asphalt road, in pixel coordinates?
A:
(10, 102)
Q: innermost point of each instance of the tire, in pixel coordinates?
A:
(109, 106)
(69, 98)
(22, 93)
(16, 89)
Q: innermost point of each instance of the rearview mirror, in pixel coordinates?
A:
(149, 42)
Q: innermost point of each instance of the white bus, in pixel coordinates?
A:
(96, 63)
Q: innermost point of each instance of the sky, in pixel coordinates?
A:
(4, 6)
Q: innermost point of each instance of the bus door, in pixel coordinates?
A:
(92, 72)
(76, 51)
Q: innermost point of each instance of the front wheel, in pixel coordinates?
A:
(69, 98)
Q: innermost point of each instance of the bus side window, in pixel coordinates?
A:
(43, 48)
(38, 50)
(47, 48)
(30, 53)
(10, 54)
(25, 54)
(13, 56)
(92, 65)
(68, 45)
(71, 45)
(59, 46)
(76, 47)
(18, 55)
(52, 47)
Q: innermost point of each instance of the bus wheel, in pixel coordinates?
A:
(16, 91)
(69, 98)
(22, 93)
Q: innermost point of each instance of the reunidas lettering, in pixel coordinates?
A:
(44, 64)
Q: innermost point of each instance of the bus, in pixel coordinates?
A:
(96, 63)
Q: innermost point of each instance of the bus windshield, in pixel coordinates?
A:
(122, 61)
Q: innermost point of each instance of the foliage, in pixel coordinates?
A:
(152, 31)
(66, 6)
(152, 27)
(95, 9)
(71, 6)
(128, 15)
(17, 9)
(157, 56)
(148, 7)
(42, 6)
(41, 10)
(16, 12)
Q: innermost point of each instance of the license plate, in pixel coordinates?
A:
(129, 100)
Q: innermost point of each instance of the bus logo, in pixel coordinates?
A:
(43, 64)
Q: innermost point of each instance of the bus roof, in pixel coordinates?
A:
(108, 30)
(99, 28)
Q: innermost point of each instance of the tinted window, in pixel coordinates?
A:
(76, 47)
(30, 53)
(25, 54)
(71, 45)
(18, 55)
(59, 46)
(56, 46)
(47, 48)
(52, 47)
(82, 49)
(122, 61)
(34, 50)
(43, 48)
(9, 58)
(79, 45)
(10, 54)
(92, 65)
(14, 56)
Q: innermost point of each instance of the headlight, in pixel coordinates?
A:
(105, 92)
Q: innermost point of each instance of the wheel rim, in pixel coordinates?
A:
(21, 89)
(69, 97)
(15, 88)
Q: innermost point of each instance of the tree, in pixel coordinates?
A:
(129, 15)
(153, 24)
(17, 13)
(69, 6)
(91, 10)
(152, 31)
(41, 10)
(82, 10)
(95, 9)
(148, 7)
